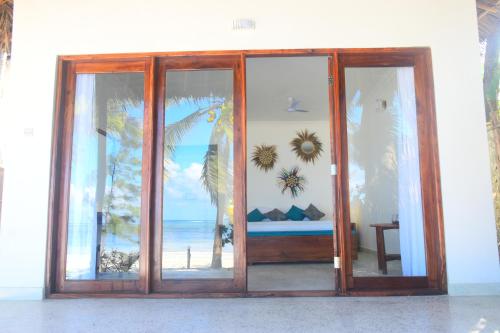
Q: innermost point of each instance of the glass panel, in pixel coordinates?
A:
(105, 188)
(198, 175)
(384, 172)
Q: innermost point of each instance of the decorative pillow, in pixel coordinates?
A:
(313, 213)
(275, 215)
(255, 216)
(295, 214)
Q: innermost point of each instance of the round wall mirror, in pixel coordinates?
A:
(307, 146)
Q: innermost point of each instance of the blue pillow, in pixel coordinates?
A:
(295, 214)
(255, 216)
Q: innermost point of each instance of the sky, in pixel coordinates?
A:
(184, 197)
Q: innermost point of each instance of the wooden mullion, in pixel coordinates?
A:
(147, 176)
(67, 140)
(239, 181)
(51, 262)
(158, 188)
(338, 227)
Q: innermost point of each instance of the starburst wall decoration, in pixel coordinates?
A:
(264, 157)
(290, 180)
(307, 146)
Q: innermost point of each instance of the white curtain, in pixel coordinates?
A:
(4, 80)
(4, 70)
(4, 73)
(82, 222)
(411, 229)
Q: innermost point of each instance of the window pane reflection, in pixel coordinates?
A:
(384, 171)
(105, 185)
(198, 175)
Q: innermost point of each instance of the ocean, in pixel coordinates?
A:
(177, 236)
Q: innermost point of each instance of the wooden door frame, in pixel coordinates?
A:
(238, 283)
(60, 167)
(59, 196)
(435, 280)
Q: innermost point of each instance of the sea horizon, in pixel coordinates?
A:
(178, 235)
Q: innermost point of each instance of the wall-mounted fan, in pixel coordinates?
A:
(293, 105)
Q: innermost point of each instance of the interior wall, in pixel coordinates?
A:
(45, 29)
(263, 191)
(271, 82)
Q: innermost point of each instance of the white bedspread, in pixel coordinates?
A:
(289, 226)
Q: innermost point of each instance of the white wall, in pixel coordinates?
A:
(44, 29)
(262, 189)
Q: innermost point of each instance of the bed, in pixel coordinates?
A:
(292, 241)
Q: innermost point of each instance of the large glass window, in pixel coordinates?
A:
(384, 171)
(198, 175)
(161, 165)
(105, 183)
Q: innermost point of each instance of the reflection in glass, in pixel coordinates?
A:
(384, 171)
(105, 185)
(198, 175)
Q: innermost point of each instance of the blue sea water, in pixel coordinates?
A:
(177, 236)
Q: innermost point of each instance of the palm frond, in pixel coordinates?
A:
(6, 18)
(182, 99)
(124, 89)
(215, 170)
(176, 131)
(210, 173)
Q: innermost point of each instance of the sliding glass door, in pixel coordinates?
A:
(198, 225)
(148, 190)
(151, 200)
(106, 210)
(386, 174)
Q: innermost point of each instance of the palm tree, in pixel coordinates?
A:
(119, 170)
(490, 85)
(489, 33)
(122, 167)
(6, 10)
(216, 174)
(6, 14)
(491, 81)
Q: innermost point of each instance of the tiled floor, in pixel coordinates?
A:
(306, 276)
(267, 277)
(367, 265)
(340, 314)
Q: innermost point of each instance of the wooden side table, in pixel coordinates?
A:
(383, 257)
